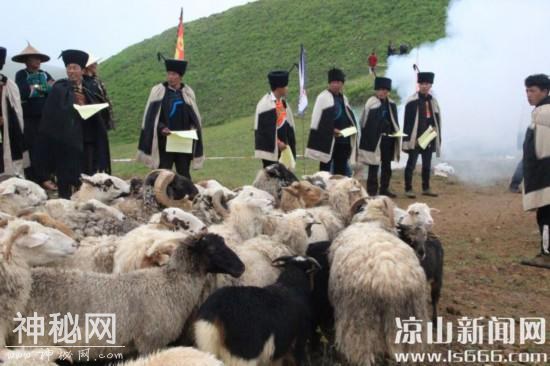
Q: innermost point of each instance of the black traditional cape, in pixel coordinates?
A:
(536, 159)
(265, 130)
(410, 124)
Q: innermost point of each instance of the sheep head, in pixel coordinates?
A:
(415, 236)
(172, 190)
(306, 264)
(281, 173)
(39, 244)
(17, 194)
(177, 219)
(210, 254)
(103, 187)
(305, 195)
(420, 214)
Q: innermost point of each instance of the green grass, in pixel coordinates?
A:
(230, 54)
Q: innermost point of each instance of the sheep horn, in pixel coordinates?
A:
(316, 265)
(16, 234)
(217, 202)
(161, 184)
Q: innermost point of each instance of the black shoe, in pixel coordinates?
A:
(429, 193)
(388, 193)
(541, 261)
(514, 189)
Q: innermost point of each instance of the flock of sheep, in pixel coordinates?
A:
(251, 276)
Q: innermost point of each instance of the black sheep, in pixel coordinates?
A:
(260, 324)
(322, 310)
(431, 255)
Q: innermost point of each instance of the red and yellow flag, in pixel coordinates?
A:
(180, 54)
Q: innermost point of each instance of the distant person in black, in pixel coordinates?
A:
(421, 112)
(34, 86)
(332, 114)
(391, 49)
(76, 145)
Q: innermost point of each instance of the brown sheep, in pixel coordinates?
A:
(302, 194)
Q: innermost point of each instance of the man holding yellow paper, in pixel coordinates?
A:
(377, 147)
(422, 115)
(331, 115)
(171, 109)
(274, 123)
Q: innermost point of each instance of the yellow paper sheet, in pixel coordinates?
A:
(398, 134)
(181, 141)
(287, 159)
(427, 137)
(86, 111)
(348, 131)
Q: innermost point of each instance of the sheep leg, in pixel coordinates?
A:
(435, 294)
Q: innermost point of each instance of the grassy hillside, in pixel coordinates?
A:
(230, 53)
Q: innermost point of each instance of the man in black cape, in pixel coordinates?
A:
(536, 163)
(77, 145)
(331, 114)
(421, 112)
(274, 123)
(377, 147)
(13, 153)
(171, 107)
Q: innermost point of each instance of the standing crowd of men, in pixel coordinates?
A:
(374, 143)
(44, 138)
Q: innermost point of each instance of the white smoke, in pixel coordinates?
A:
(480, 66)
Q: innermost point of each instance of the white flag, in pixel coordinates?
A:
(302, 69)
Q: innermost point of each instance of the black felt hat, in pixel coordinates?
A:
(174, 65)
(426, 77)
(75, 57)
(278, 79)
(382, 83)
(335, 74)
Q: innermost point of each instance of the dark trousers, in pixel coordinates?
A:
(89, 162)
(32, 142)
(180, 160)
(339, 159)
(518, 175)
(386, 154)
(426, 167)
(267, 163)
(543, 219)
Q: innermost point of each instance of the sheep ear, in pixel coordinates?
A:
(295, 184)
(86, 179)
(435, 210)
(34, 240)
(9, 190)
(108, 182)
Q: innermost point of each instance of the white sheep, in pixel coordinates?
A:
(343, 194)
(212, 186)
(17, 194)
(178, 356)
(152, 245)
(246, 193)
(151, 306)
(102, 187)
(417, 214)
(25, 244)
(374, 279)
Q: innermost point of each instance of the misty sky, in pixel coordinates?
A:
(103, 27)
